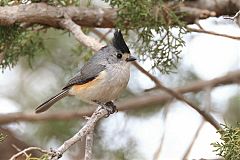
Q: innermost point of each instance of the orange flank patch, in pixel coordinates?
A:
(81, 87)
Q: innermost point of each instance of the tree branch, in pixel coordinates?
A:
(24, 152)
(79, 35)
(157, 153)
(180, 97)
(212, 33)
(220, 7)
(88, 146)
(85, 130)
(186, 154)
(41, 13)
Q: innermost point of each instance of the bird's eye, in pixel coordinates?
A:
(119, 55)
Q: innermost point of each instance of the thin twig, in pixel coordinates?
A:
(159, 149)
(198, 24)
(234, 17)
(14, 157)
(208, 103)
(212, 33)
(193, 140)
(103, 37)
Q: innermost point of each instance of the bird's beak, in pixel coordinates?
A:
(131, 58)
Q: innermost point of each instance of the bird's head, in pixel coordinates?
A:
(121, 47)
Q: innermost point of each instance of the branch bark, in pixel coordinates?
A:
(24, 152)
(207, 116)
(89, 146)
(41, 13)
(85, 130)
(79, 35)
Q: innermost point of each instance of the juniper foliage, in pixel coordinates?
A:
(158, 28)
(229, 146)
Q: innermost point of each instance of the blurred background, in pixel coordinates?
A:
(167, 130)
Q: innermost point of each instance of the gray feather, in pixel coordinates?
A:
(88, 73)
(46, 105)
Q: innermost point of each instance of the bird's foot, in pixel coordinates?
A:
(55, 153)
(109, 106)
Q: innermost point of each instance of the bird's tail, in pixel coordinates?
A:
(46, 105)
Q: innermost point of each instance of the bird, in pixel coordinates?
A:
(102, 79)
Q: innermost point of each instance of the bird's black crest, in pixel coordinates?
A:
(119, 43)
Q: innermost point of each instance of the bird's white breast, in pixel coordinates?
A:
(107, 86)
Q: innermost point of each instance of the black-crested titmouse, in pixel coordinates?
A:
(101, 79)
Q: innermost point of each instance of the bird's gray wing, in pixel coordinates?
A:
(88, 73)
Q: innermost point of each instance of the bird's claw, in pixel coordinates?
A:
(111, 108)
(55, 153)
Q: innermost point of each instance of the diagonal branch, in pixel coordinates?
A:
(208, 105)
(79, 35)
(180, 97)
(157, 153)
(86, 129)
(185, 156)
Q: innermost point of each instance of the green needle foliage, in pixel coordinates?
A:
(151, 19)
(158, 28)
(16, 42)
(229, 147)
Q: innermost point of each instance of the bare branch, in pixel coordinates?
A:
(15, 157)
(196, 13)
(193, 140)
(212, 33)
(234, 17)
(41, 13)
(159, 148)
(180, 97)
(86, 129)
(79, 35)
(89, 146)
(208, 103)
(220, 7)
